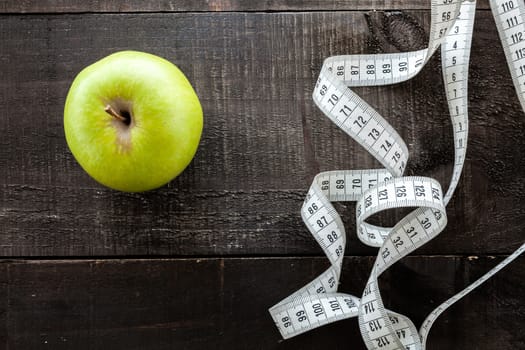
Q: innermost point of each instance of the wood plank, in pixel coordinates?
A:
(263, 140)
(70, 6)
(222, 303)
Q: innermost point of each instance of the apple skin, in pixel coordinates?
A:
(163, 112)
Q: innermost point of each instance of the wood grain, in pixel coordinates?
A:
(191, 304)
(71, 6)
(263, 140)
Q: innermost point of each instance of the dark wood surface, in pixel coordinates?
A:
(73, 6)
(222, 303)
(196, 264)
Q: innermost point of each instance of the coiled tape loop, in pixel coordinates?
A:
(375, 190)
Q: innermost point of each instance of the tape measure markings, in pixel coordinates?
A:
(375, 190)
(325, 89)
(455, 74)
(509, 17)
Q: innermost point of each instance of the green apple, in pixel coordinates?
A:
(133, 121)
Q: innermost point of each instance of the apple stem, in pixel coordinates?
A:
(109, 110)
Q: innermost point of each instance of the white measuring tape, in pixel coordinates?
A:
(318, 303)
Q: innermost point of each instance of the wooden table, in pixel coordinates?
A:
(197, 263)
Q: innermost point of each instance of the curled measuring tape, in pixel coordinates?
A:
(319, 303)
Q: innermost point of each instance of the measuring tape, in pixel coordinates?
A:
(375, 190)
